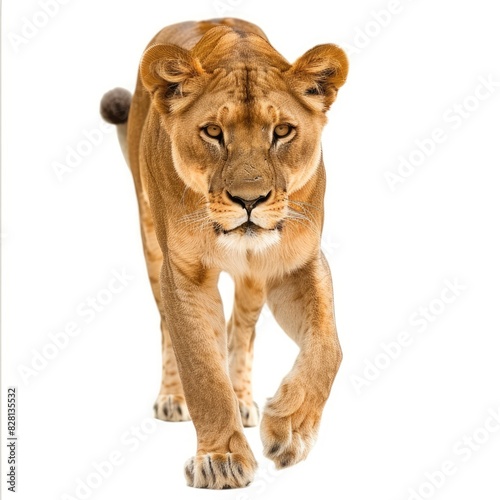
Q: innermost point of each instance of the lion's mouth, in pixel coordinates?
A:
(248, 228)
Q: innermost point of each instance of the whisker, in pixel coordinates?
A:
(302, 219)
(194, 221)
(298, 215)
(200, 211)
(303, 204)
(294, 222)
(301, 223)
(183, 195)
(197, 219)
(305, 213)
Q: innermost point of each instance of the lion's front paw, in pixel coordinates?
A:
(171, 408)
(249, 413)
(219, 471)
(288, 438)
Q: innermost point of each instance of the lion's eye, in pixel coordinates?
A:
(213, 131)
(282, 130)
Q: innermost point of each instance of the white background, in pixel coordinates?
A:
(391, 253)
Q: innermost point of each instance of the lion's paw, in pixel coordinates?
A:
(249, 414)
(171, 408)
(219, 471)
(289, 435)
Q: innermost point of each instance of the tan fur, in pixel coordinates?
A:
(190, 189)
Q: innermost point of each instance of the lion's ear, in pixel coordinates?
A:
(168, 67)
(319, 73)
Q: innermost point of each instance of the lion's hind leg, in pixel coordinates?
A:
(170, 404)
(248, 302)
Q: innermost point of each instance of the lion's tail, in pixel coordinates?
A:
(115, 106)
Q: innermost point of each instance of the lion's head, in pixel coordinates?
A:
(244, 125)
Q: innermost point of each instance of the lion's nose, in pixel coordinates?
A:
(249, 205)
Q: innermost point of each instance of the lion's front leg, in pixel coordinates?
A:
(303, 305)
(196, 324)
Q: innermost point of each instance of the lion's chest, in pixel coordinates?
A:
(264, 259)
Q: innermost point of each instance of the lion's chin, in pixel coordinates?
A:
(249, 237)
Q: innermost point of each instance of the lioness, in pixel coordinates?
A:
(223, 139)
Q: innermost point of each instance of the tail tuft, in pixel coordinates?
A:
(115, 105)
